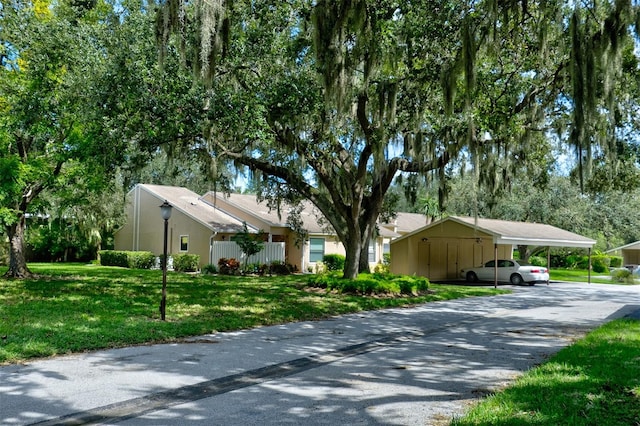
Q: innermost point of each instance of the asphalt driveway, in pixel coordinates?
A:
(410, 366)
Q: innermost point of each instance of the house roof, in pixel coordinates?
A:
(404, 223)
(518, 233)
(630, 246)
(250, 205)
(189, 203)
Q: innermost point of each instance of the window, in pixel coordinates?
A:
(386, 248)
(372, 251)
(316, 249)
(184, 243)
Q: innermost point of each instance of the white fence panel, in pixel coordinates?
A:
(229, 249)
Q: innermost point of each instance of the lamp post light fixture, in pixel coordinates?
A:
(165, 211)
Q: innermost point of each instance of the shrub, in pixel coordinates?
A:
(412, 285)
(228, 266)
(381, 268)
(141, 259)
(127, 259)
(321, 281)
(280, 268)
(114, 258)
(186, 262)
(334, 262)
(622, 275)
(209, 269)
(538, 261)
(615, 261)
(368, 284)
(578, 261)
(600, 263)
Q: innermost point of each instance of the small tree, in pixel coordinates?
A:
(249, 243)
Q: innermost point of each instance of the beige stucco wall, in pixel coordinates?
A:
(144, 229)
(334, 246)
(630, 257)
(440, 252)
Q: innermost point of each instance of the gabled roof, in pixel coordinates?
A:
(250, 205)
(518, 233)
(630, 246)
(189, 203)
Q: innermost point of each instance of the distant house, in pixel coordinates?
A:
(302, 254)
(630, 254)
(193, 227)
(204, 225)
(441, 249)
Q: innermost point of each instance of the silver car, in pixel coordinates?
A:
(515, 272)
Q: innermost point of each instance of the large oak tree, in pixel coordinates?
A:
(49, 57)
(330, 100)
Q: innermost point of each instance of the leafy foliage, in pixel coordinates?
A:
(228, 266)
(368, 284)
(128, 259)
(333, 262)
(186, 262)
(622, 275)
(249, 243)
(209, 269)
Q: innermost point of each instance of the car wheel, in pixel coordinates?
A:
(516, 279)
(472, 277)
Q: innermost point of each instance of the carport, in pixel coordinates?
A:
(440, 250)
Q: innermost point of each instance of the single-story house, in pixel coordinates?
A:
(193, 226)
(441, 249)
(630, 254)
(204, 225)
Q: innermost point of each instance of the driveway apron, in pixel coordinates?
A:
(410, 366)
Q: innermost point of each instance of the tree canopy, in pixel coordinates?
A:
(331, 100)
(327, 100)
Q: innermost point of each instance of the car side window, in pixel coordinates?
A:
(489, 264)
(508, 264)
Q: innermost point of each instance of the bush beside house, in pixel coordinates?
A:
(186, 262)
(128, 259)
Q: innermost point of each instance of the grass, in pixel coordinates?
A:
(75, 308)
(582, 275)
(596, 381)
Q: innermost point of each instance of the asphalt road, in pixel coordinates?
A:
(412, 366)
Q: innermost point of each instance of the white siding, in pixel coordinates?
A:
(229, 249)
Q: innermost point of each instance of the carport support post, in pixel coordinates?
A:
(589, 271)
(495, 265)
(549, 263)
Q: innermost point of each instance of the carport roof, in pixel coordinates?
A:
(519, 233)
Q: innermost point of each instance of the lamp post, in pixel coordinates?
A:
(165, 211)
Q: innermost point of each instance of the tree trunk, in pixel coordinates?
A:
(363, 265)
(17, 260)
(353, 248)
(524, 253)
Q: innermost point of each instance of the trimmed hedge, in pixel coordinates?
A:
(128, 259)
(368, 284)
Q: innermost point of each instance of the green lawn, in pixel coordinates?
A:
(75, 308)
(582, 275)
(595, 381)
